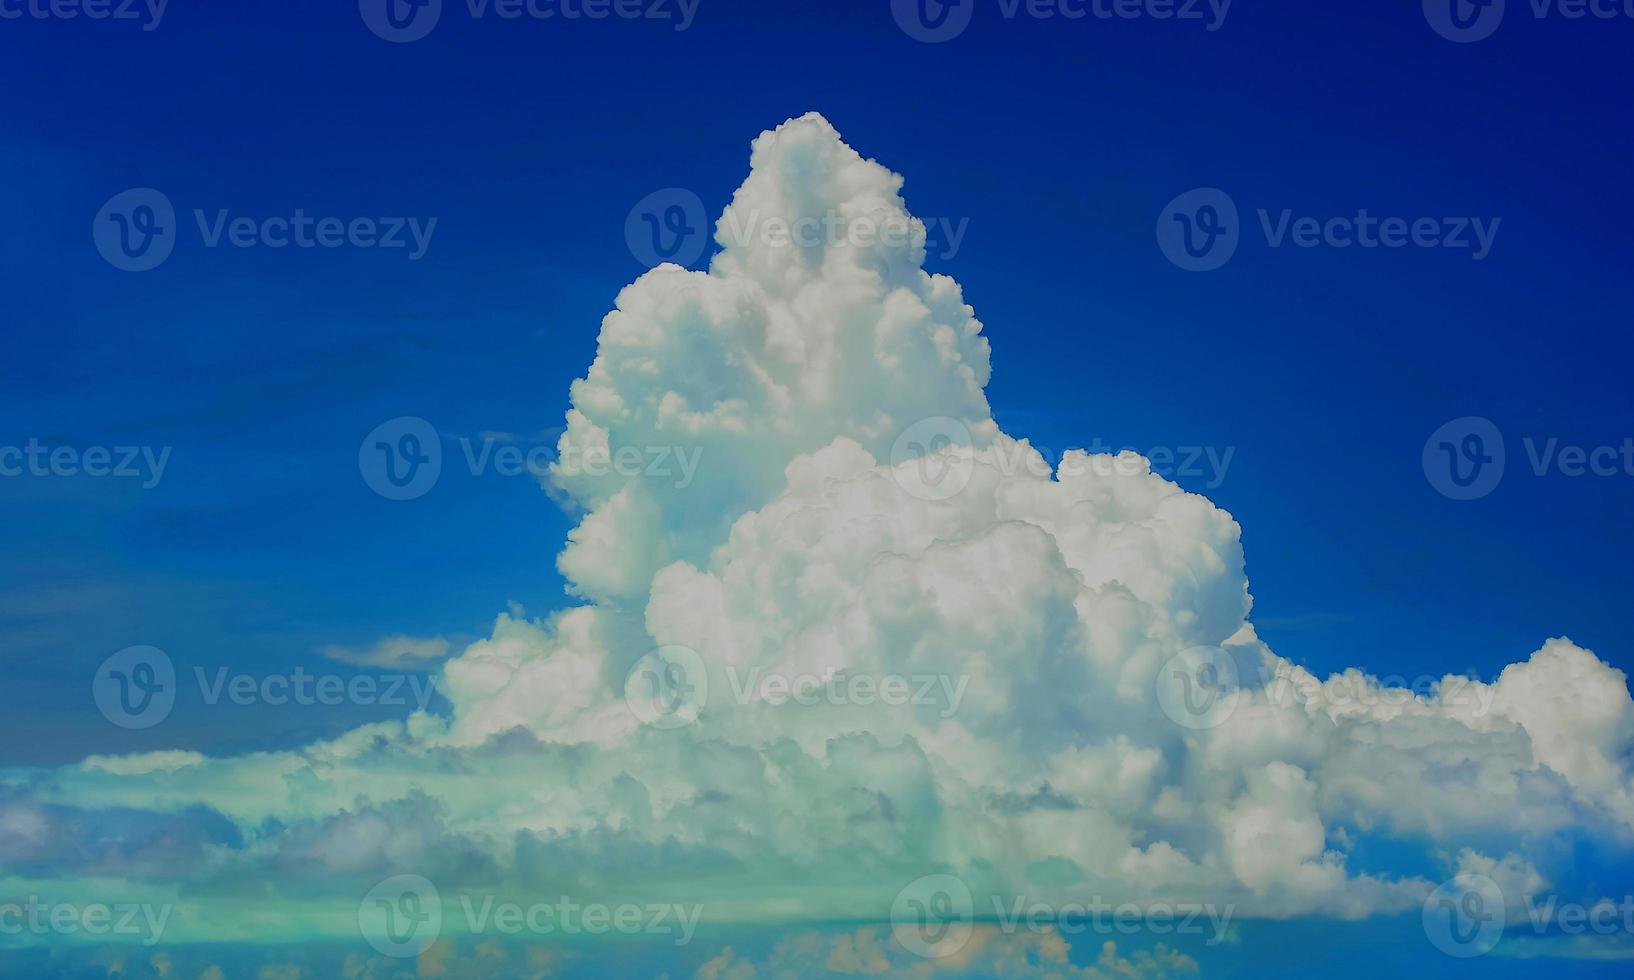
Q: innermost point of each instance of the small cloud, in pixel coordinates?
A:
(399, 651)
(168, 760)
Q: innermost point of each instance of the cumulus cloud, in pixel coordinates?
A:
(811, 545)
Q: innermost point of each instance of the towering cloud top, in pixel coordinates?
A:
(815, 321)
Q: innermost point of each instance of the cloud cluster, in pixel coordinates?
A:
(808, 546)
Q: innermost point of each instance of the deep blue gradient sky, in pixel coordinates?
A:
(1059, 141)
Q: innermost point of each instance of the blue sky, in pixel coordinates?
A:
(1326, 369)
(1054, 144)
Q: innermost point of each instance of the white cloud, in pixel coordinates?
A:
(801, 547)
